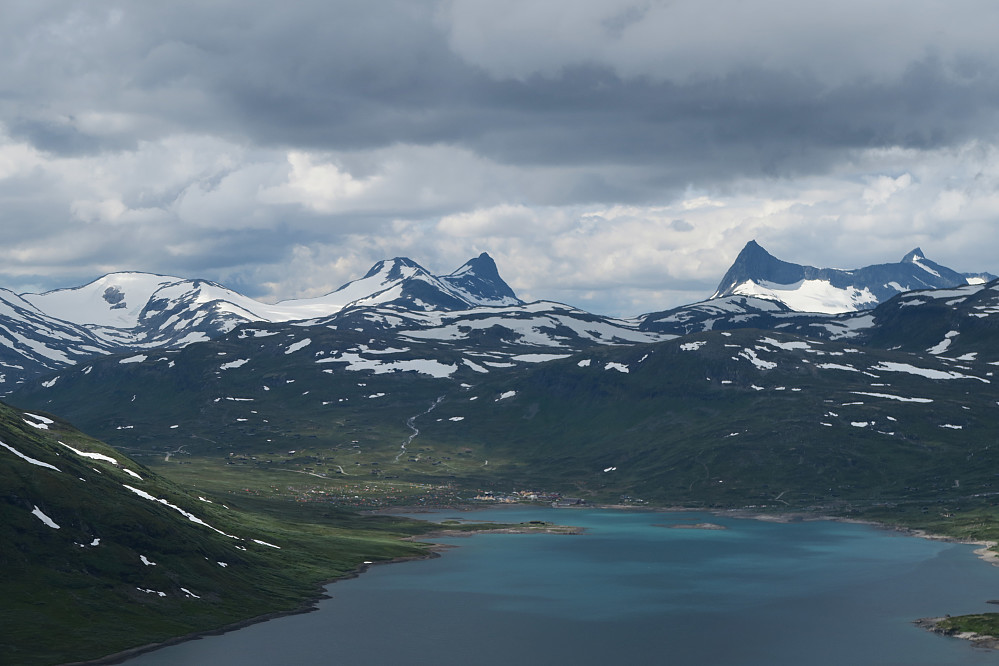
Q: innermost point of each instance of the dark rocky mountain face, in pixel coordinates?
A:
(479, 280)
(755, 263)
(756, 272)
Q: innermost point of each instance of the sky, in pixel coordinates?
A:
(611, 154)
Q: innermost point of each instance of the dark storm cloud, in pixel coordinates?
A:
(352, 76)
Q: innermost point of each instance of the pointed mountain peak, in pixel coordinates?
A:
(753, 249)
(756, 257)
(483, 266)
(808, 289)
(478, 281)
(755, 263)
(394, 269)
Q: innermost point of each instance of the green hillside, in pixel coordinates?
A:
(101, 554)
(723, 418)
(737, 418)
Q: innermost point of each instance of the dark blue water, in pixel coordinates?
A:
(631, 591)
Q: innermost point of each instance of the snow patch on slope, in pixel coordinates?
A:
(190, 516)
(356, 362)
(29, 459)
(92, 456)
(929, 373)
(942, 346)
(810, 295)
(301, 344)
(45, 519)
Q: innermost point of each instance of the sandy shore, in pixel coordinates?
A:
(692, 526)
(513, 529)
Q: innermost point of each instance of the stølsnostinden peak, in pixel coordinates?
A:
(801, 288)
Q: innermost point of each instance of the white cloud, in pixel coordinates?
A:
(106, 210)
(179, 199)
(505, 221)
(882, 188)
(16, 157)
(324, 187)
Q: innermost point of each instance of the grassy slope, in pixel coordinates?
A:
(983, 624)
(64, 599)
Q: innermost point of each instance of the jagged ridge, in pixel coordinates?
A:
(756, 272)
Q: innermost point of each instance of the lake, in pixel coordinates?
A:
(633, 590)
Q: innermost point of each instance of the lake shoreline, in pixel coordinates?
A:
(931, 624)
(983, 641)
(308, 606)
(434, 550)
(984, 553)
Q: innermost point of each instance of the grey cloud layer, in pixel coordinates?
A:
(222, 138)
(350, 76)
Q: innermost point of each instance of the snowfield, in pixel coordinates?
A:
(45, 519)
(929, 373)
(20, 455)
(356, 362)
(190, 516)
(810, 295)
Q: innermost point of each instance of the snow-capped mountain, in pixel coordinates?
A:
(479, 282)
(718, 313)
(895, 402)
(542, 324)
(32, 341)
(134, 312)
(165, 310)
(472, 307)
(130, 311)
(829, 290)
(405, 283)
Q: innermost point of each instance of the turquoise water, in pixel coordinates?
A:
(631, 591)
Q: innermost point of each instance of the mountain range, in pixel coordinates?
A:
(546, 393)
(125, 312)
(133, 312)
